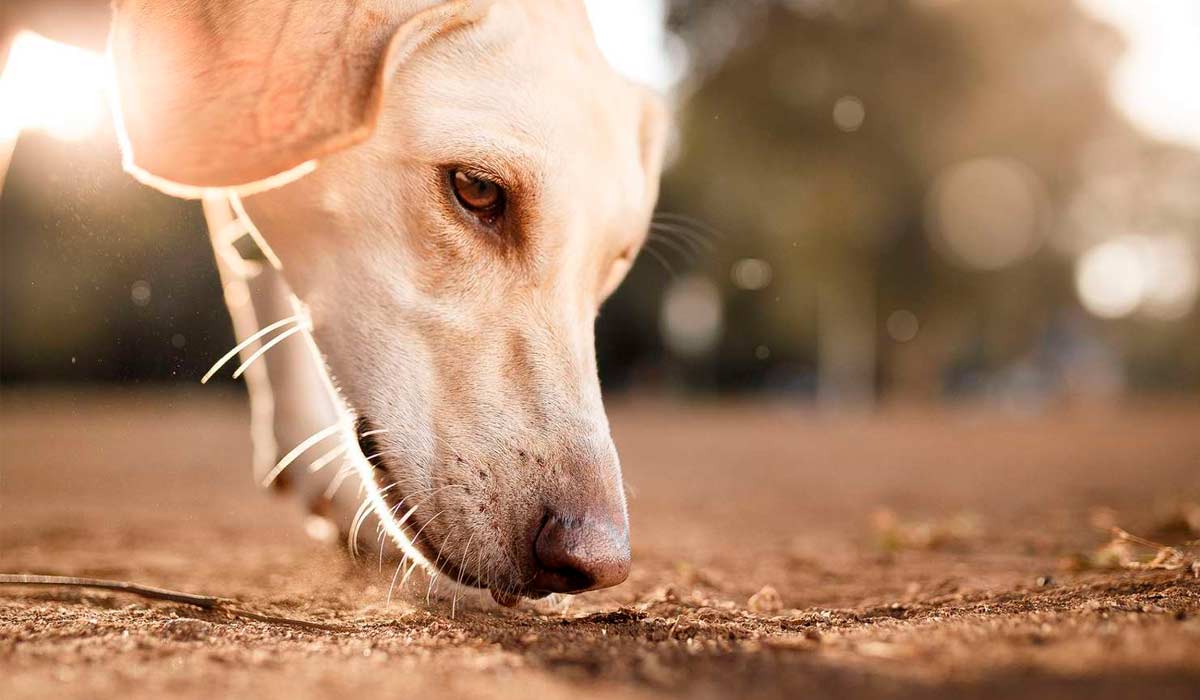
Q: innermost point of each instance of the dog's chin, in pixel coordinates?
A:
(414, 526)
(393, 494)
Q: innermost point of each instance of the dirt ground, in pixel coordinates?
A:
(914, 554)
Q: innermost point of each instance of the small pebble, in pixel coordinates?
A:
(766, 600)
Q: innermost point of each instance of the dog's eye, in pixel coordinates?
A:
(478, 195)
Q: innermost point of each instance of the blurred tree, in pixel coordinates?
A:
(877, 153)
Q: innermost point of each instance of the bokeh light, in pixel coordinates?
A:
(902, 325)
(1157, 276)
(849, 113)
(140, 293)
(751, 274)
(987, 213)
(1110, 279)
(692, 318)
(1174, 279)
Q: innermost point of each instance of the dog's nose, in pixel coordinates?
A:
(580, 554)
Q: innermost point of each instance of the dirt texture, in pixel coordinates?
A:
(777, 553)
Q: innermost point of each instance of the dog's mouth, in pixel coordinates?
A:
(413, 525)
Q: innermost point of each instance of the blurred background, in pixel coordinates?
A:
(867, 201)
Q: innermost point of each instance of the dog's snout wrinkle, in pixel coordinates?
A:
(577, 554)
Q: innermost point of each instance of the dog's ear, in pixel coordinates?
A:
(655, 128)
(244, 93)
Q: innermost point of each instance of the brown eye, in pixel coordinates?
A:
(478, 195)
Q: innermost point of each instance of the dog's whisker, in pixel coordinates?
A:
(267, 346)
(693, 238)
(437, 564)
(337, 481)
(392, 586)
(381, 531)
(462, 569)
(413, 565)
(414, 562)
(326, 459)
(245, 344)
(698, 225)
(660, 231)
(297, 451)
(484, 577)
(429, 493)
(411, 568)
(688, 255)
(662, 260)
(360, 517)
(356, 523)
(417, 535)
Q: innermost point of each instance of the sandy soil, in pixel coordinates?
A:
(977, 585)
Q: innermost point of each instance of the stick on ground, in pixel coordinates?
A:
(203, 602)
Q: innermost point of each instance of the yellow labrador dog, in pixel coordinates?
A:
(418, 208)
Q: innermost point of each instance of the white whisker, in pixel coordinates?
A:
(324, 460)
(696, 241)
(267, 346)
(245, 344)
(381, 532)
(689, 256)
(661, 260)
(462, 569)
(392, 586)
(359, 516)
(339, 479)
(297, 451)
(416, 536)
(411, 567)
(368, 507)
(690, 223)
(436, 562)
(481, 576)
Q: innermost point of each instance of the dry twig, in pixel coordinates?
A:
(215, 604)
(1120, 552)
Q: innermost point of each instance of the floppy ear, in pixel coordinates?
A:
(245, 93)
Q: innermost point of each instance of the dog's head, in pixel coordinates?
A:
(484, 183)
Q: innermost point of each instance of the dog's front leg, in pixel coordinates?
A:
(295, 421)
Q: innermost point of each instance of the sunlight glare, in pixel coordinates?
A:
(1154, 83)
(632, 35)
(52, 87)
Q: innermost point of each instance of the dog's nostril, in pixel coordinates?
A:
(580, 554)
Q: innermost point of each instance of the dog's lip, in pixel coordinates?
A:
(505, 596)
(365, 432)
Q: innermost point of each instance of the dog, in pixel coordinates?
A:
(418, 209)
